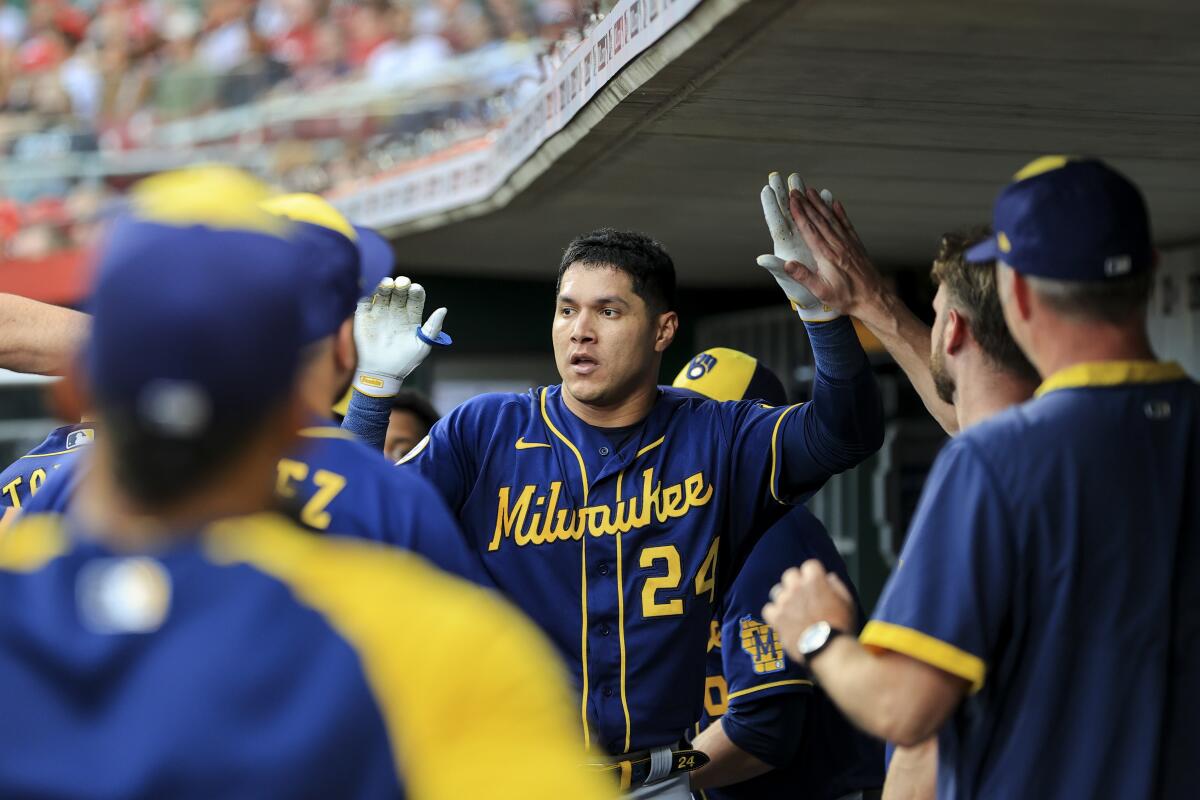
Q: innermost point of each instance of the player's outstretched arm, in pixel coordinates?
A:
(37, 337)
(840, 274)
(391, 343)
(889, 695)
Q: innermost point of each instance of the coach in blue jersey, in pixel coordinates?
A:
(1042, 620)
(169, 639)
(331, 481)
(768, 732)
(605, 507)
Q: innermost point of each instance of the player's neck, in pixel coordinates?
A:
(1064, 344)
(630, 411)
(317, 385)
(986, 393)
(126, 525)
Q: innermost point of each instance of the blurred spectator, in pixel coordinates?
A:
(12, 24)
(405, 55)
(183, 84)
(226, 43)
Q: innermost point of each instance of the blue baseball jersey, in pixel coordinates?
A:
(614, 548)
(254, 659)
(746, 664)
(334, 483)
(23, 478)
(1054, 565)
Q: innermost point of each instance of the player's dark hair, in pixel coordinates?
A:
(156, 469)
(418, 405)
(645, 261)
(972, 291)
(1116, 301)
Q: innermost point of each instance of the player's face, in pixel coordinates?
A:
(604, 336)
(403, 433)
(943, 381)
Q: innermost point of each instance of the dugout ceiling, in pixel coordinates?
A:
(913, 112)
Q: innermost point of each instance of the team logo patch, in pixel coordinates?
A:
(700, 366)
(759, 642)
(80, 437)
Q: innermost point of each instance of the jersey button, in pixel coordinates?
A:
(608, 692)
(604, 451)
(605, 630)
(602, 569)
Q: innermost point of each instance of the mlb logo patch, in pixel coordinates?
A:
(80, 437)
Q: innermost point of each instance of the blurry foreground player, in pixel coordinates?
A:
(412, 417)
(159, 643)
(768, 731)
(1044, 622)
(329, 481)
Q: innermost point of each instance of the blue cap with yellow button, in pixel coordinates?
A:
(342, 262)
(724, 374)
(195, 318)
(1069, 219)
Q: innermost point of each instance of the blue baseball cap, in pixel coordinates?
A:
(1069, 219)
(342, 262)
(196, 321)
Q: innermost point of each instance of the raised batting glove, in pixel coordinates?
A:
(790, 246)
(390, 338)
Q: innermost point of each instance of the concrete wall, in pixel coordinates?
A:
(1175, 309)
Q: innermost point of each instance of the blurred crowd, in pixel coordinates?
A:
(79, 77)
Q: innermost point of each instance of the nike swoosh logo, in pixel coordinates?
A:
(524, 445)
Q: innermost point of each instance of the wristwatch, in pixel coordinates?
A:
(816, 638)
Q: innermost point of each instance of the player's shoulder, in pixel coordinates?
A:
(357, 585)
(32, 541)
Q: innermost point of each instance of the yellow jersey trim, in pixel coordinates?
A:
(1111, 373)
(455, 647)
(774, 450)
(771, 685)
(416, 451)
(650, 447)
(925, 648)
(32, 542)
(56, 453)
(327, 433)
(587, 734)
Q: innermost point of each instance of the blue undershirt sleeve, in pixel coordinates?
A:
(367, 418)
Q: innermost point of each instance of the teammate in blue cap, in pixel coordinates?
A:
(607, 508)
(159, 642)
(1042, 621)
(768, 732)
(333, 482)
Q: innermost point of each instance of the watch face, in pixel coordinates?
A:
(814, 637)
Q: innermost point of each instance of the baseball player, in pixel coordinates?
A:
(768, 732)
(159, 643)
(331, 481)
(972, 367)
(605, 506)
(23, 478)
(1042, 622)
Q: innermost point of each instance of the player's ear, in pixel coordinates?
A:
(956, 331)
(343, 346)
(666, 326)
(69, 398)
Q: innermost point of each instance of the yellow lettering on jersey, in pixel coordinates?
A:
(655, 503)
(10, 489)
(36, 479)
(329, 485)
(288, 472)
(716, 695)
(714, 635)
